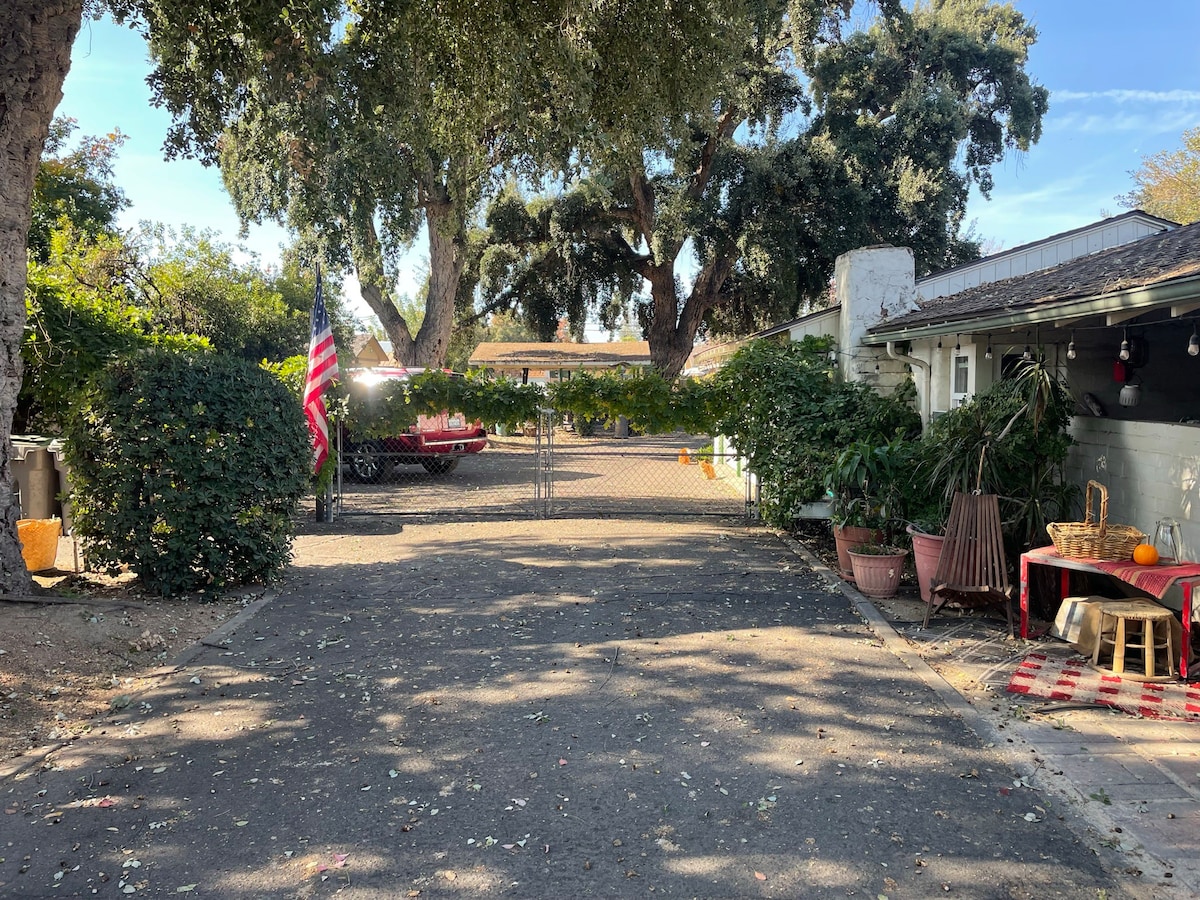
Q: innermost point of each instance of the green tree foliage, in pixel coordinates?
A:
(368, 123)
(789, 415)
(78, 320)
(822, 139)
(187, 468)
(1168, 183)
(193, 283)
(74, 186)
(94, 298)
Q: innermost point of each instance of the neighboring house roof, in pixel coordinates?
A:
(560, 355)
(787, 326)
(1153, 271)
(365, 347)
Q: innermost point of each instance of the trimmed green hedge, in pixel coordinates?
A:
(188, 469)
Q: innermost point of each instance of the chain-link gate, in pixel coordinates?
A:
(549, 470)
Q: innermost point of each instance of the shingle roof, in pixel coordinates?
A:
(1152, 260)
(560, 355)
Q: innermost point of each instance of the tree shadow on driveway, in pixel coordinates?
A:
(540, 709)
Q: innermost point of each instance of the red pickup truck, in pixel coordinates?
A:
(435, 442)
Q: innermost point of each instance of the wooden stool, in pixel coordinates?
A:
(1135, 625)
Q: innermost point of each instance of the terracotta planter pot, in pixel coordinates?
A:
(927, 548)
(847, 536)
(878, 576)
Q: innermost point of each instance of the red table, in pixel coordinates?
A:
(1186, 577)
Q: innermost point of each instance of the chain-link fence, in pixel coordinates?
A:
(546, 471)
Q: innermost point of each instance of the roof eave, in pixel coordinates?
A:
(1143, 298)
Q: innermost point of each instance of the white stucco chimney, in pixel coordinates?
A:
(873, 284)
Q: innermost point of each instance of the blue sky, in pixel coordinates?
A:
(1124, 79)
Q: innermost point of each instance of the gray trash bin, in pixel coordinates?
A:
(35, 477)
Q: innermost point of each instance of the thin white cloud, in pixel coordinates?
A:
(1129, 96)
(1158, 121)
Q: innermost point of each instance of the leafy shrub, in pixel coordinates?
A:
(789, 415)
(1010, 439)
(187, 468)
(651, 403)
(477, 395)
(70, 332)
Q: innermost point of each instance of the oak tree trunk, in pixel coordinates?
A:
(35, 54)
(673, 329)
(443, 223)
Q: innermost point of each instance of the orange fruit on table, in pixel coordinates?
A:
(1145, 555)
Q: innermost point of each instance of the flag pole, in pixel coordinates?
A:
(322, 369)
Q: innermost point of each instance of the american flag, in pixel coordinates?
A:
(322, 369)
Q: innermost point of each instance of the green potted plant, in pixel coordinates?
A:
(868, 485)
(877, 568)
(851, 515)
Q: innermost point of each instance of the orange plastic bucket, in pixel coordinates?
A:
(39, 542)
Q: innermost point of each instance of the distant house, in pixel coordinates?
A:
(1074, 299)
(367, 352)
(540, 363)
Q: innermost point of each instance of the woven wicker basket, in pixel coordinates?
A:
(1094, 540)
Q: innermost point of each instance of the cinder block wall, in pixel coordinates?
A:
(1151, 470)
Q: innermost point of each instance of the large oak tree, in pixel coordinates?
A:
(369, 122)
(822, 139)
(360, 120)
(35, 54)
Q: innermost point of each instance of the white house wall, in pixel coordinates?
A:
(826, 323)
(1151, 470)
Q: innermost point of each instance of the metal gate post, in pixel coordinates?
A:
(753, 496)
(543, 477)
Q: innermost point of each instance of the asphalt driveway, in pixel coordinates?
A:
(541, 709)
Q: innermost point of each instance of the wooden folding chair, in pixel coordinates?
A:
(972, 561)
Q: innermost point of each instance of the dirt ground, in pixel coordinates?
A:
(83, 644)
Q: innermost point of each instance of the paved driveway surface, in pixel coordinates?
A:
(540, 709)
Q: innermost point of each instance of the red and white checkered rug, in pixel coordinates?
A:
(1074, 680)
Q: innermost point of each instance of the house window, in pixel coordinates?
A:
(961, 380)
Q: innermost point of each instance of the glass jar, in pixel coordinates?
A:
(1168, 540)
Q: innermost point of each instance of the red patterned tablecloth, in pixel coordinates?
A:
(1156, 580)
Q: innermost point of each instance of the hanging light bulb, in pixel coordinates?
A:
(1028, 354)
(876, 368)
(833, 356)
(1071, 346)
(939, 343)
(957, 344)
(1194, 343)
(1124, 354)
(987, 354)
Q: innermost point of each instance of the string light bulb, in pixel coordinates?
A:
(939, 343)
(1124, 354)
(876, 368)
(1071, 346)
(1028, 354)
(1194, 342)
(957, 344)
(987, 354)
